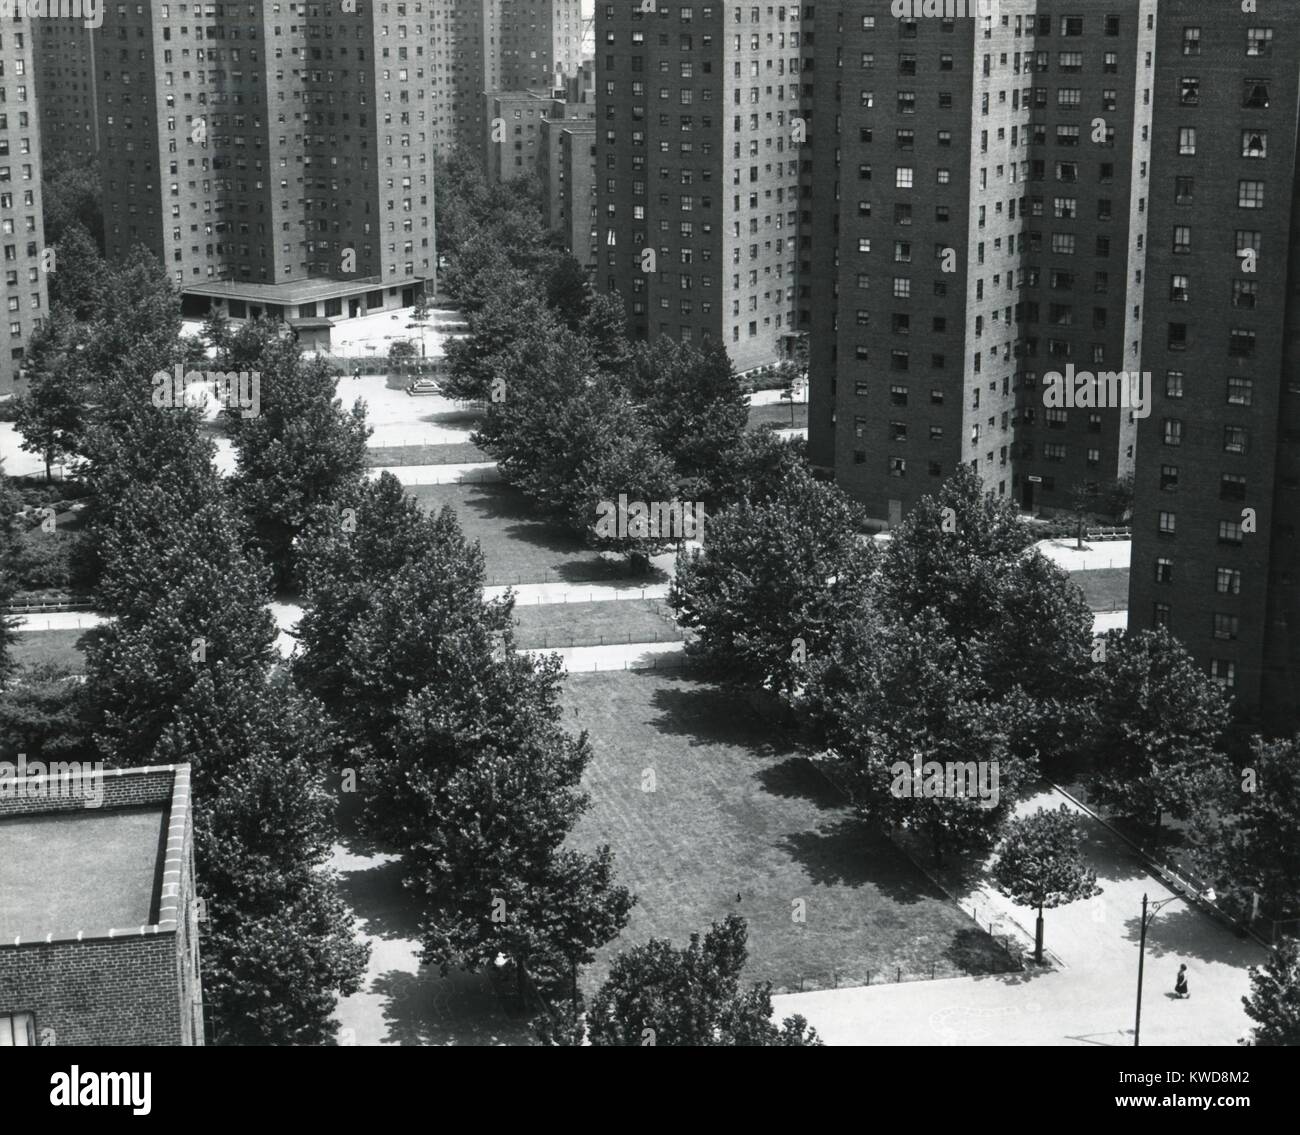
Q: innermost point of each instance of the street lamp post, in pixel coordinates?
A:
(1142, 951)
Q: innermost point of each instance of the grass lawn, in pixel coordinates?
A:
(31, 648)
(454, 454)
(1106, 589)
(539, 626)
(778, 414)
(736, 809)
(519, 545)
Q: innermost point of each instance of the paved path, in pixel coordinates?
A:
(1089, 1002)
(532, 594)
(475, 472)
(1102, 554)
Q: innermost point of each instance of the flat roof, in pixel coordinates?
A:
(294, 291)
(64, 871)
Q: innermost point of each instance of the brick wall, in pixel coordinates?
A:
(123, 788)
(118, 991)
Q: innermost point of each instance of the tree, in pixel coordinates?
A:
(1040, 864)
(658, 995)
(79, 276)
(692, 403)
(71, 196)
(403, 349)
(301, 455)
(279, 944)
(42, 714)
(1155, 720)
(8, 583)
(793, 369)
(901, 712)
(1274, 1001)
(51, 415)
(1248, 837)
(772, 583)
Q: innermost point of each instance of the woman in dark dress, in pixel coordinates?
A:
(1180, 983)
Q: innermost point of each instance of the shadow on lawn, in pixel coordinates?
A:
(712, 716)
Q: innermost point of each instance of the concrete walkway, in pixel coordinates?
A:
(1102, 554)
(470, 472)
(1090, 1001)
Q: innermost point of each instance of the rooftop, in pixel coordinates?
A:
(90, 853)
(89, 869)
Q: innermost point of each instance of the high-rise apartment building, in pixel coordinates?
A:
(966, 232)
(274, 156)
(66, 89)
(696, 172)
(22, 236)
(1218, 477)
(508, 45)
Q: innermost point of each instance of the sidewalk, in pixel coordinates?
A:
(1091, 1002)
(1102, 554)
(476, 472)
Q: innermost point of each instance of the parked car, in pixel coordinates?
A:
(419, 386)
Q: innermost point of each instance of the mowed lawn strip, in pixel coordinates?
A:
(541, 626)
(735, 809)
(1105, 589)
(32, 648)
(778, 414)
(519, 545)
(456, 453)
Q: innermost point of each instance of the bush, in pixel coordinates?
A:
(41, 560)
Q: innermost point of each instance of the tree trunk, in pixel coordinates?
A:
(1038, 936)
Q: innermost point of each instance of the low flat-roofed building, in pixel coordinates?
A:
(98, 920)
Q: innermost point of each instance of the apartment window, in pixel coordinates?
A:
(1241, 343)
(1160, 614)
(1168, 523)
(1191, 41)
(1259, 41)
(1173, 431)
(1179, 289)
(1234, 439)
(1177, 340)
(1250, 194)
(903, 177)
(1168, 478)
(17, 1030)
(1232, 487)
(898, 395)
(1224, 672)
(1230, 532)
(1227, 581)
(1182, 239)
(1184, 190)
(1187, 140)
(1241, 391)
(1254, 144)
(1226, 626)
(1053, 451)
(1189, 91)
(902, 287)
(1174, 383)
(1244, 293)
(1254, 94)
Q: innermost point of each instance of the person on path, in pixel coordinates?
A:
(1180, 983)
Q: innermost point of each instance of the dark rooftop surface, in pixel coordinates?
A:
(85, 870)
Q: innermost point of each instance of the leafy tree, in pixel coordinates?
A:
(693, 404)
(8, 583)
(1274, 1001)
(1040, 864)
(756, 467)
(71, 196)
(1248, 838)
(79, 279)
(509, 337)
(898, 706)
(1155, 719)
(772, 583)
(42, 714)
(662, 996)
(301, 455)
(403, 349)
(218, 333)
(568, 292)
(279, 944)
(51, 414)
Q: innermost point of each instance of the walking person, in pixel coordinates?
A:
(1180, 983)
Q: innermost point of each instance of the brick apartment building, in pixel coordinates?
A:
(276, 157)
(98, 924)
(1218, 475)
(696, 172)
(966, 229)
(22, 233)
